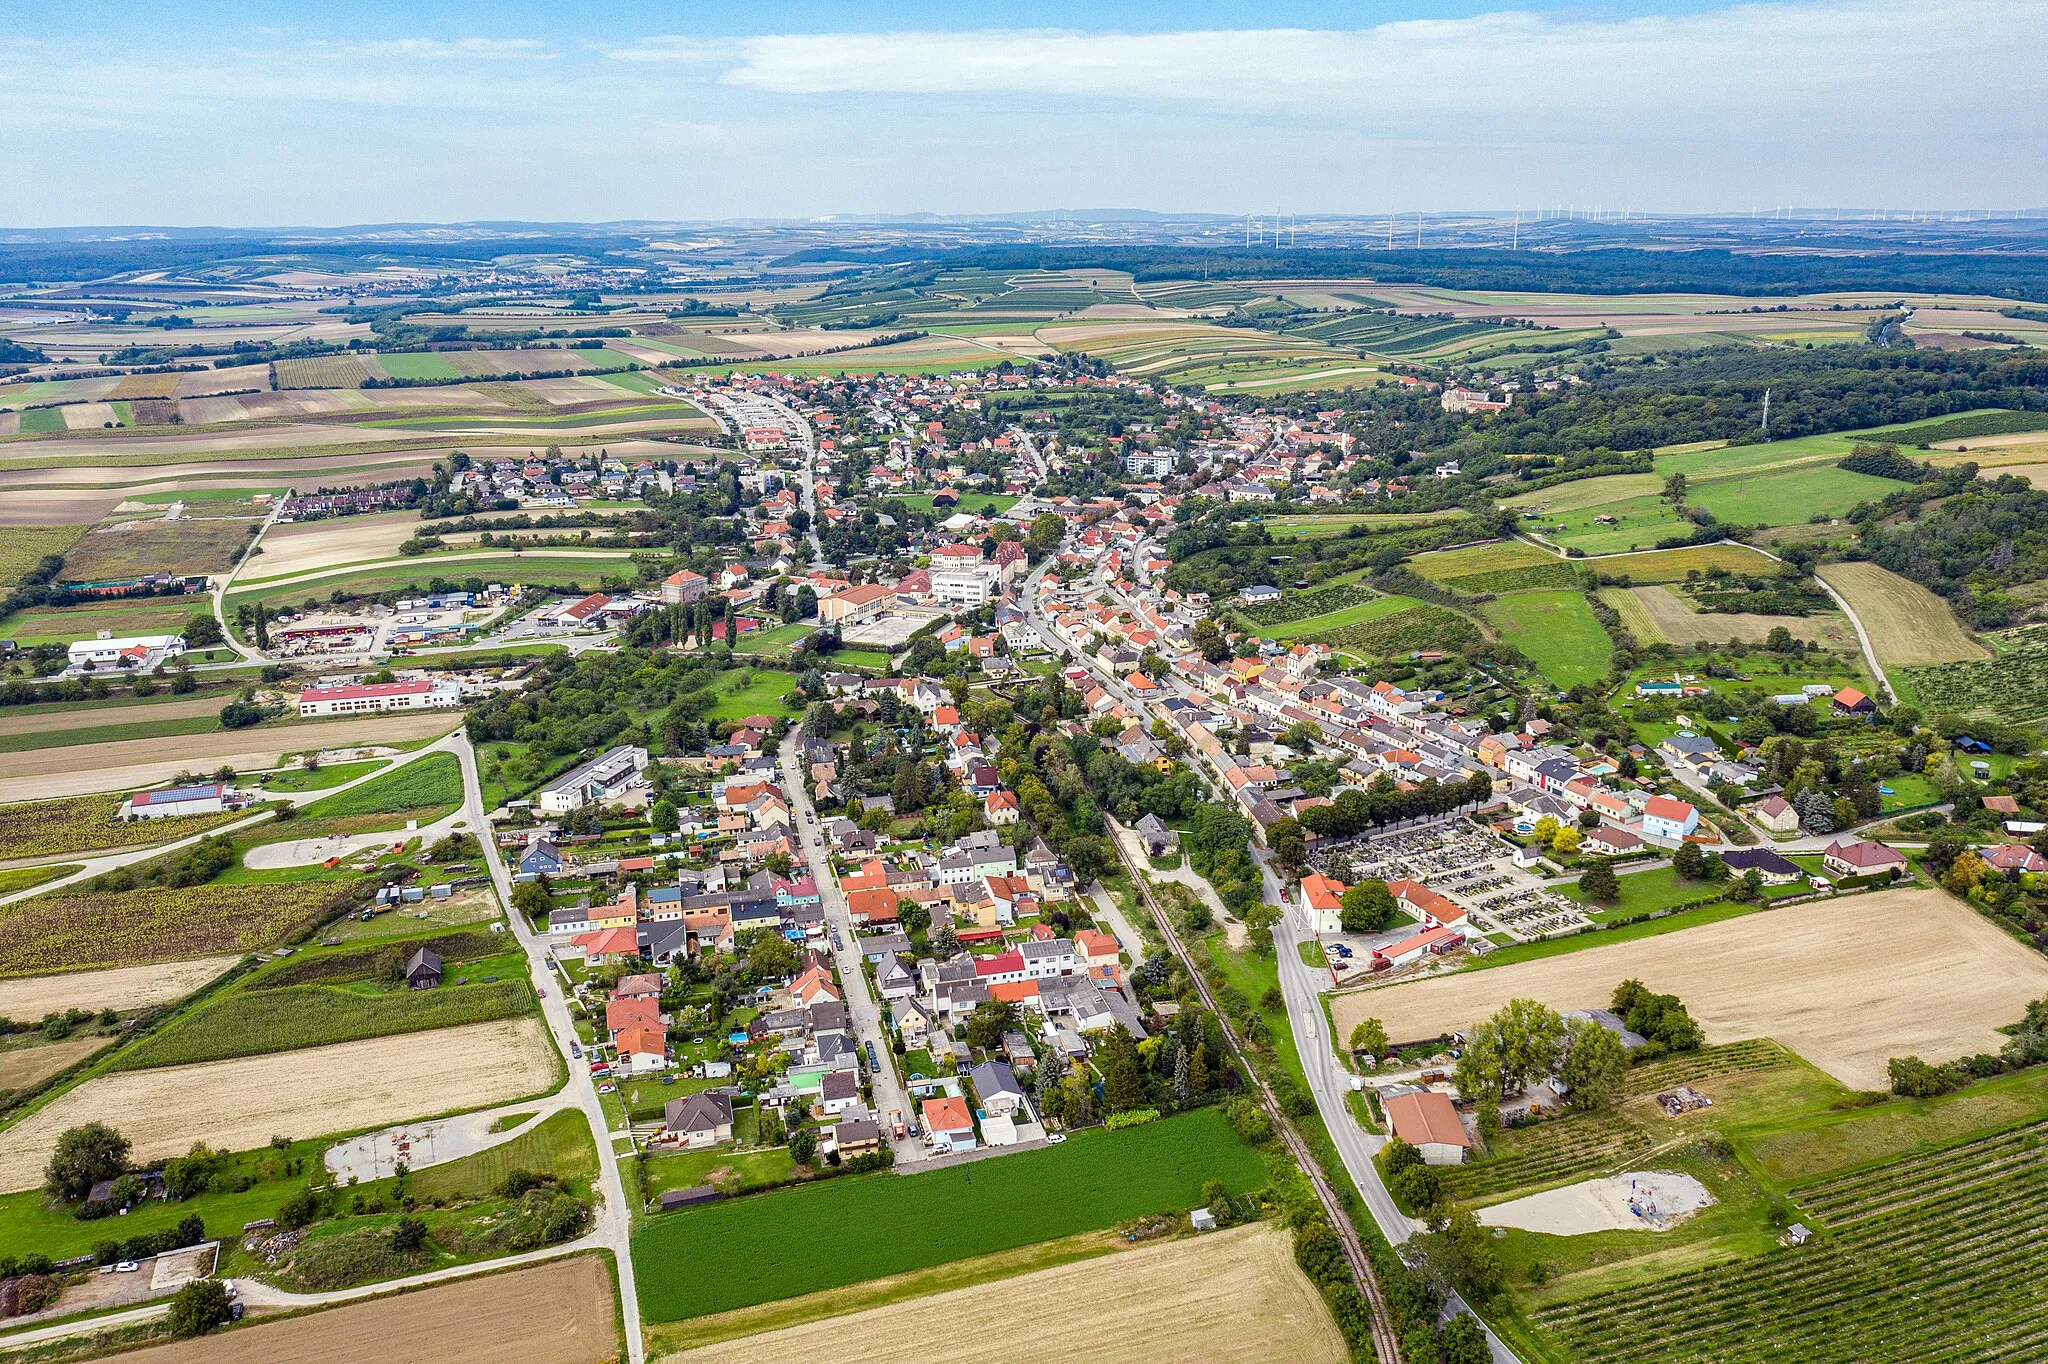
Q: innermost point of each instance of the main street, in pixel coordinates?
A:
(846, 953)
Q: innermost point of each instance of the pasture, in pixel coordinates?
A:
(240, 1104)
(1944, 983)
(1794, 495)
(1557, 630)
(778, 1245)
(561, 1312)
(1907, 624)
(1157, 1304)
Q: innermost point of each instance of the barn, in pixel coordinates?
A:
(1426, 1120)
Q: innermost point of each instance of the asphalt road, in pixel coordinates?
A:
(860, 1001)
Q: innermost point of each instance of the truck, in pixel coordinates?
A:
(896, 1123)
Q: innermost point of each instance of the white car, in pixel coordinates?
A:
(126, 1267)
(1055, 1138)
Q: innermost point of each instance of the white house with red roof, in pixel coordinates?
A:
(1667, 817)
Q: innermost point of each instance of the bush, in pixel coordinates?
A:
(198, 1307)
(1250, 1120)
(1135, 1117)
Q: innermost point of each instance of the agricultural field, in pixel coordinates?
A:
(73, 930)
(534, 568)
(1673, 565)
(1418, 627)
(1659, 614)
(120, 988)
(48, 828)
(241, 1104)
(250, 1022)
(1907, 624)
(428, 783)
(321, 371)
(1945, 983)
(89, 716)
(1928, 1257)
(66, 624)
(1498, 566)
(1157, 1304)
(2012, 686)
(1557, 630)
(778, 1245)
(23, 547)
(1317, 526)
(1213, 357)
(22, 1066)
(1794, 495)
(556, 1313)
(129, 548)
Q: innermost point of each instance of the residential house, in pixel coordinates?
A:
(698, 1120)
(995, 1085)
(1859, 857)
(1665, 817)
(1776, 814)
(947, 1125)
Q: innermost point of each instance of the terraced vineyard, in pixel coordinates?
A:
(1550, 1153)
(1927, 1263)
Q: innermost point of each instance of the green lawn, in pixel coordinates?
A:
(759, 1168)
(765, 693)
(779, 1245)
(423, 783)
(1557, 630)
(779, 639)
(1377, 609)
(1644, 891)
(858, 658)
(978, 503)
(561, 1144)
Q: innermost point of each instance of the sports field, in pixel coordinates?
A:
(1906, 623)
(778, 1245)
(1157, 1304)
(1557, 630)
(1885, 974)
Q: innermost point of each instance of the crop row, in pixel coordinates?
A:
(47, 828)
(1707, 1063)
(1572, 1146)
(1528, 579)
(1920, 1178)
(68, 932)
(1417, 628)
(2013, 686)
(1302, 605)
(1959, 1277)
(251, 1022)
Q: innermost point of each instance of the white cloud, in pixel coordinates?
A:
(676, 49)
(1764, 56)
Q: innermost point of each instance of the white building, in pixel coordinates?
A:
(602, 778)
(369, 697)
(1150, 463)
(103, 653)
(970, 585)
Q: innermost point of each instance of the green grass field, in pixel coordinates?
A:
(424, 783)
(42, 421)
(779, 1245)
(1644, 891)
(978, 503)
(66, 624)
(107, 734)
(1672, 565)
(1557, 630)
(533, 570)
(418, 365)
(765, 693)
(1789, 497)
(251, 1022)
(1496, 556)
(1336, 523)
(778, 640)
(560, 1145)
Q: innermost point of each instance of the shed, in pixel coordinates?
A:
(690, 1197)
(423, 971)
(1426, 1120)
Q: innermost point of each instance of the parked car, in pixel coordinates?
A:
(575, 1052)
(1055, 1138)
(126, 1267)
(607, 1088)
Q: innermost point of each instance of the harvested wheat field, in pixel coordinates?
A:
(1906, 623)
(558, 1313)
(240, 1104)
(1234, 1295)
(1847, 983)
(131, 764)
(24, 1066)
(315, 545)
(122, 988)
(1669, 617)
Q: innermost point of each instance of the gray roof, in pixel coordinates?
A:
(698, 1112)
(995, 1077)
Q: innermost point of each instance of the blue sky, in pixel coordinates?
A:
(190, 113)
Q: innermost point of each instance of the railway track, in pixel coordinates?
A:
(1386, 1345)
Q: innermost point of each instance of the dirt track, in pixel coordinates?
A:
(239, 1105)
(131, 764)
(123, 988)
(1233, 1295)
(1848, 983)
(559, 1313)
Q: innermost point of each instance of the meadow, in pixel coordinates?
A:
(1558, 632)
(761, 693)
(778, 1245)
(432, 782)
(1379, 608)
